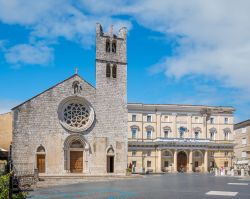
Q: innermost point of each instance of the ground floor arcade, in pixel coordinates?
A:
(179, 157)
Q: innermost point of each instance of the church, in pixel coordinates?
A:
(74, 127)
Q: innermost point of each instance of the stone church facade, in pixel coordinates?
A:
(74, 127)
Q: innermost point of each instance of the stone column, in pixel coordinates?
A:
(206, 161)
(175, 161)
(159, 161)
(190, 168)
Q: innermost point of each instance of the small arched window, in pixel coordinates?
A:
(107, 46)
(114, 71)
(108, 70)
(114, 46)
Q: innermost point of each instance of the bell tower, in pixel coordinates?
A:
(111, 92)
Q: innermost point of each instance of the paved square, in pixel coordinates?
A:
(170, 186)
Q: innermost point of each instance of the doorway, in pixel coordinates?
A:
(76, 161)
(40, 162)
(110, 164)
(76, 156)
(182, 161)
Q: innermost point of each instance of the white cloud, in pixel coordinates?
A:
(49, 20)
(213, 37)
(29, 54)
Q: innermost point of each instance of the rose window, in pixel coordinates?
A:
(76, 114)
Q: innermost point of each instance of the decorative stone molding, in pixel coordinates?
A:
(76, 114)
(135, 127)
(213, 130)
(167, 128)
(197, 129)
(149, 127)
(227, 130)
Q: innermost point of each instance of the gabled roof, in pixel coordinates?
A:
(52, 88)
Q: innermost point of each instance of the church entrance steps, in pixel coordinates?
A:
(47, 181)
(43, 177)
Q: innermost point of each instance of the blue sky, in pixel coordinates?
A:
(187, 52)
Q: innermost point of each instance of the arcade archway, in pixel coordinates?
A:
(182, 161)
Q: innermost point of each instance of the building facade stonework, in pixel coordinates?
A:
(184, 138)
(5, 131)
(74, 127)
(242, 144)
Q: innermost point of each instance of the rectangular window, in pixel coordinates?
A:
(149, 118)
(149, 136)
(148, 153)
(226, 136)
(211, 120)
(226, 120)
(212, 153)
(133, 118)
(196, 119)
(243, 141)
(196, 164)
(148, 163)
(134, 163)
(166, 119)
(243, 154)
(226, 164)
(165, 163)
(226, 153)
(244, 130)
(166, 134)
(134, 133)
(212, 135)
(133, 153)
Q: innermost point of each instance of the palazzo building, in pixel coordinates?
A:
(171, 138)
(242, 141)
(74, 127)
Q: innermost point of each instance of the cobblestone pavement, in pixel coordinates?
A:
(169, 186)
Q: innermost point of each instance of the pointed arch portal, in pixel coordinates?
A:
(75, 149)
